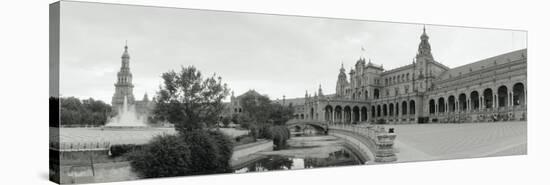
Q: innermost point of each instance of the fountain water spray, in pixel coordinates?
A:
(127, 117)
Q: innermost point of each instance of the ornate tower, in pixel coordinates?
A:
(123, 86)
(422, 61)
(342, 82)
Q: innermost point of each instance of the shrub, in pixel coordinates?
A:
(164, 156)
(119, 150)
(226, 121)
(280, 135)
(225, 151)
(204, 151)
(189, 153)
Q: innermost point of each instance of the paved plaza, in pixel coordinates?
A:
(420, 142)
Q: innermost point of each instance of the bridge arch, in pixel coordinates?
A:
(329, 113)
(364, 113)
(347, 114)
(432, 106)
(518, 94)
(412, 109)
(404, 107)
(338, 113)
(451, 103)
(355, 114)
(502, 96)
(441, 105)
(462, 104)
(488, 98)
(474, 100)
(391, 109)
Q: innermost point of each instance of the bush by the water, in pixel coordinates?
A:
(280, 135)
(119, 150)
(189, 153)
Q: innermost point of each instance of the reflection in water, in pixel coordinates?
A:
(277, 162)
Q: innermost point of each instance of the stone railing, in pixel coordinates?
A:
(378, 140)
(79, 146)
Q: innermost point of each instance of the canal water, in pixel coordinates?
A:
(305, 151)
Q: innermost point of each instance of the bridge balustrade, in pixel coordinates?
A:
(377, 138)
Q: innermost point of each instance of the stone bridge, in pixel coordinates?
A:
(301, 125)
(373, 142)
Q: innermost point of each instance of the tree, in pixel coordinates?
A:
(262, 110)
(190, 101)
(281, 114)
(74, 112)
(257, 106)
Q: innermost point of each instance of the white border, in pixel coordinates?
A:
(24, 80)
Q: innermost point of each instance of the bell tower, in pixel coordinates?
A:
(123, 86)
(422, 61)
(342, 82)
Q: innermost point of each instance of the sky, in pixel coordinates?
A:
(272, 54)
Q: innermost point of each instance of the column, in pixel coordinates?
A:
(467, 104)
(495, 101)
(361, 114)
(333, 113)
(511, 99)
(481, 103)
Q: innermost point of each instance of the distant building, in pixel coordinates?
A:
(493, 89)
(125, 89)
(234, 106)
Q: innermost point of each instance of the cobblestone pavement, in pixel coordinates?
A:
(450, 141)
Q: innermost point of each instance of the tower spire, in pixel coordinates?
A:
(424, 48)
(125, 54)
(424, 29)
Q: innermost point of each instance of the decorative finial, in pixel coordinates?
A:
(424, 29)
(126, 45)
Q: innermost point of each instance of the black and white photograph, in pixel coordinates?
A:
(139, 92)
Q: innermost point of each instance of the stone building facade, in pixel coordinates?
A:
(125, 89)
(492, 89)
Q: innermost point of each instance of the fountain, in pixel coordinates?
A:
(126, 118)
